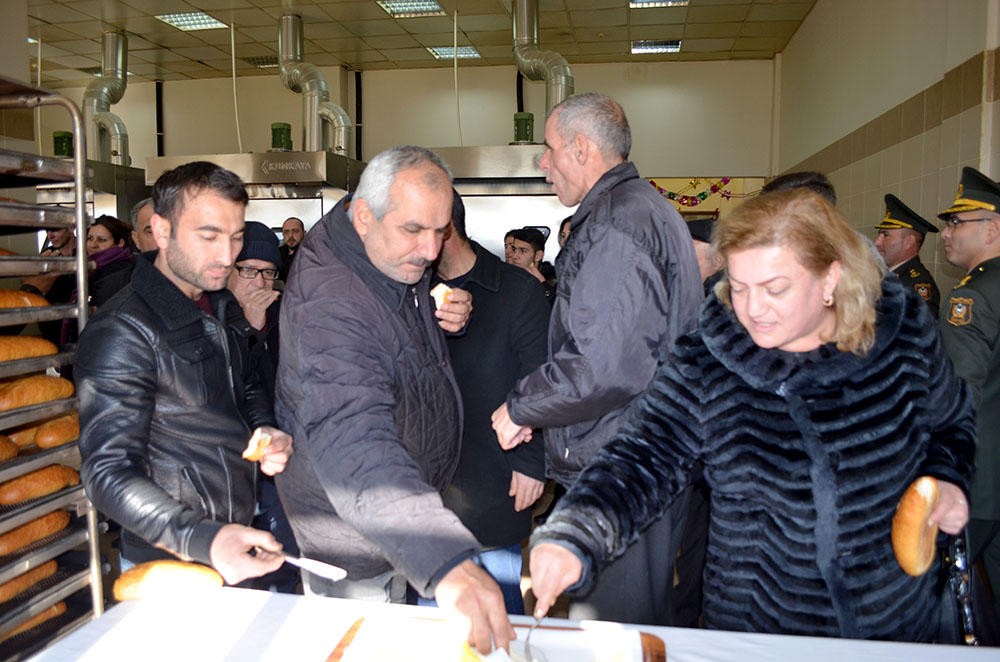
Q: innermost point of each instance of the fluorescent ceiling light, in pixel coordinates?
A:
(411, 8)
(643, 4)
(449, 52)
(262, 61)
(32, 40)
(192, 21)
(656, 46)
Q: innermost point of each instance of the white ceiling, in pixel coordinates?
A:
(359, 35)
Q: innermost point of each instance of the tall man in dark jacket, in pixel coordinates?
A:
(628, 286)
(168, 395)
(505, 339)
(900, 235)
(366, 387)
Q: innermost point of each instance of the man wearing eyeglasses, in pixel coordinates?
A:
(970, 330)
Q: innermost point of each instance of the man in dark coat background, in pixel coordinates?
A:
(505, 339)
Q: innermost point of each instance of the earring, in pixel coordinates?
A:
(828, 300)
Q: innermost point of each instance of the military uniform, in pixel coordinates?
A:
(970, 331)
(913, 273)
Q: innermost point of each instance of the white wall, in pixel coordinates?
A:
(688, 118)
(851, 60)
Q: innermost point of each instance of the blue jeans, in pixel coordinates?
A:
(504, 565)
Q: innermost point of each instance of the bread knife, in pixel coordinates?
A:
(318, 568)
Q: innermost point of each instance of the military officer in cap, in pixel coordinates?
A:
(970, 327)
(900, 236)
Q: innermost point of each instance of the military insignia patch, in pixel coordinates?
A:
(960, 311)
(923, 289)
(914, 273)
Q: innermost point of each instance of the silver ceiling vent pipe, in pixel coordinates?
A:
(537, 64)
(107, 138)
(325, 125)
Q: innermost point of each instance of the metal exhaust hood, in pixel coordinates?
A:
(280, 173)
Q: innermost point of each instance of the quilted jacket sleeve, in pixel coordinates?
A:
(617, 314)
(116, 382)
(347, 406)
(633, 478)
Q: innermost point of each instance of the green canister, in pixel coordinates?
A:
(524, 127)
(281, 136)
(62, 144)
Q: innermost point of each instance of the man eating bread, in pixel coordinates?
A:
(168, 397)
(366, 387)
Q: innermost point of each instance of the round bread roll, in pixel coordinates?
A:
(166, 577)
(913, 536)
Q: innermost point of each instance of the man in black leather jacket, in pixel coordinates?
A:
(168, 395)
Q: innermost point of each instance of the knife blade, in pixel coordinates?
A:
(325, 570)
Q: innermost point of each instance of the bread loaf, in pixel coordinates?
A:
(23, 436)
(8, 449)
(165, 577)
(21, 583)
(33, 531)
(19, 299)
(58, 609)
(24, 347)
(33, 390)
(58, 431)
(46, 480)
(913, 536)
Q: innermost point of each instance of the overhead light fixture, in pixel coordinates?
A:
(195, 20)
(411, 8)
(646, 4)
(32, 40)
(647, 46)
(262, 61)
(450, 52)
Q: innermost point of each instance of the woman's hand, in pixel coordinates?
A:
(952, 512)
(553, 570)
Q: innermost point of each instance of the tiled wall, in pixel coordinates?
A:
(916, 151)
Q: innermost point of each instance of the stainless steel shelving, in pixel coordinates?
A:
(76, 547)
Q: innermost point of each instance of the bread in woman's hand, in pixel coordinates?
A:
(257, 446)
(164, 578)
(18, 538)
(38, 483)
(913, 536)
(440, 294)
(33, 390)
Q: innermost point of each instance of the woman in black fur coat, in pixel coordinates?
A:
(814, 392)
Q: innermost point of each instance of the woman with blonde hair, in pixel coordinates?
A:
(814, 392)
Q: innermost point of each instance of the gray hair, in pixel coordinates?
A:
(598, 117)
(378, 176)
(133, 216)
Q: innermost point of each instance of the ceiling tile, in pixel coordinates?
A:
(701, 45)
(718, 14)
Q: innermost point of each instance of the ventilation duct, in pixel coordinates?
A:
(325, 125)
(537, 64)
(107, 138)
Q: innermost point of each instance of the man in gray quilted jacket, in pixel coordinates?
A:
(628, 286)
